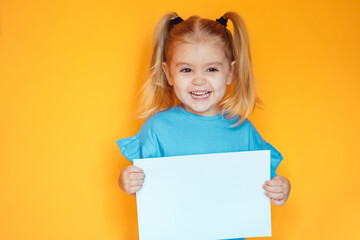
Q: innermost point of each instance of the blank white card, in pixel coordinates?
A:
(204, 197)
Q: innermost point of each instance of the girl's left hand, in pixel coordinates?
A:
(278, 189)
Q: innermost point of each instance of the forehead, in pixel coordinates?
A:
(198, 52)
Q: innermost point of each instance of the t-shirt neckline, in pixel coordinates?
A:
(196, 116)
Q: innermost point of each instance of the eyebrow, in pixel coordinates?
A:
(214, 63)
(207, 64)
(182, 63)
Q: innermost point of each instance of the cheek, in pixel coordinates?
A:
(222, 91)
(221, 85)
(181, 82)
(178, 86)
(180, 89)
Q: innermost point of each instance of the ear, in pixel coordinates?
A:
(231, 73)
(166, 70)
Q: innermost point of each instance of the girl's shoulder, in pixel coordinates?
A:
(168, 112)
(174, 115)
(163, 115)
(161, 118)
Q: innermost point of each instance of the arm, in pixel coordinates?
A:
(131, 179)
(278, 189)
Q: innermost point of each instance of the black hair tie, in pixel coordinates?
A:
(176, 20)
(222, 21)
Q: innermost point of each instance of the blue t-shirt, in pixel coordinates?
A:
(178, 132)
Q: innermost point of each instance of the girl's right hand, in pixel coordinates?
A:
(131, 179)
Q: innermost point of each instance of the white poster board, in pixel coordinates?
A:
(204, 197)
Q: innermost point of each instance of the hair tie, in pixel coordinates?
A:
(222, 21)
(176, 20)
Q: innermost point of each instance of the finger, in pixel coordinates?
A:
(136, 176)
(132, 189)
(275, 182)
(135, 183)
(135, 189)
(274, 189)
(134, 169)
(278, 202)
(276, 196)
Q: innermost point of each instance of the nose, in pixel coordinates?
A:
(198, 80)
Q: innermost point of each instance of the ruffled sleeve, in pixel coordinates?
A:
(258, 143)
(143, 145)
(130, 147)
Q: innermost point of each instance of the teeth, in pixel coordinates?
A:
(198, 93)
(201, 94)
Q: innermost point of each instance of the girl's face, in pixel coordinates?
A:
(199, 73)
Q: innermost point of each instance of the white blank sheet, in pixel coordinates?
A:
(204, 197)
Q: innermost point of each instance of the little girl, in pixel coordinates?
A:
(209, 70)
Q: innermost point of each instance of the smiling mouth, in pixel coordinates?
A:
(200, 94)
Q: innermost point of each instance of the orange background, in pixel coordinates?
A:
(70, 72)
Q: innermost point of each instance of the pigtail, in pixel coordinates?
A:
(157, 94)
(242, 99)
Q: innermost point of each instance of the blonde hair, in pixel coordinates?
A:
(240, 99)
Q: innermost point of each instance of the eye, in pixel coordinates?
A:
(212, 69)
(186, 70)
